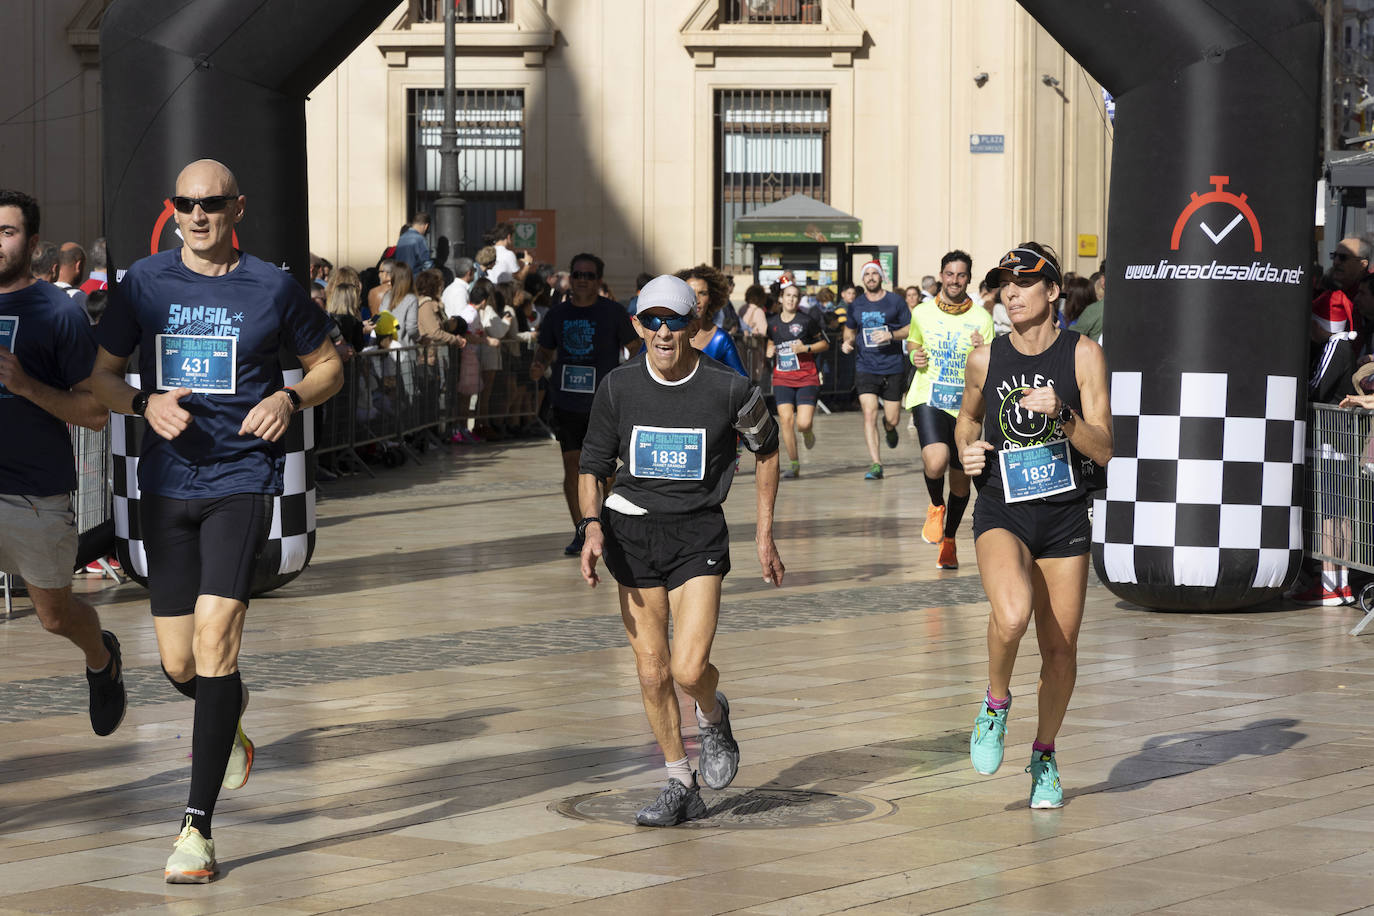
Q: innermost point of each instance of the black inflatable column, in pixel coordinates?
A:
(1209, 236)
(226, 80)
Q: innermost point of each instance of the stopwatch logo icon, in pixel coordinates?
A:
(1217, 196)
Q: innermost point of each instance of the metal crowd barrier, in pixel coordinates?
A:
(392, 397)
(1338, 517)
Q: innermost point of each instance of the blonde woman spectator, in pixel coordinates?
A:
(486, 260)
(402, 302)
(343, 300)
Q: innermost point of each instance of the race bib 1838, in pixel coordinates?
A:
(664, 453)
(1037, 471)
(579, 379)
(205, 364)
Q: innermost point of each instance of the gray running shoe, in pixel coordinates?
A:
(719, 750)
(675, 804)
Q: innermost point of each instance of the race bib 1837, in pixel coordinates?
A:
(665, 453)
(1037, 471)
(208, 365)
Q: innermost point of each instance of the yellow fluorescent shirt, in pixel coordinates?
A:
(947, 340)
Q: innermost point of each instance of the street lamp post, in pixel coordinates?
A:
(448, 209)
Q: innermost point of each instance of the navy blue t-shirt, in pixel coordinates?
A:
(890, 312)
(588, 340)
(263, 310)
(52, 339)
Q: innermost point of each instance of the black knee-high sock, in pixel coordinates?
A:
(936, 486)
(185, 688)
(218, 700)
(955, 513)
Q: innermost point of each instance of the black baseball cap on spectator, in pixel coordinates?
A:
(1023, 262)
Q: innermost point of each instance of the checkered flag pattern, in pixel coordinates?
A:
(291, 540)
(1203, 489)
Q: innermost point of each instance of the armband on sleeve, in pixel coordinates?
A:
(756, 425)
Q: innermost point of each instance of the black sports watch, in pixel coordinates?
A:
(139, 405)
(294, 398)
(582, 525)
(1066, 414)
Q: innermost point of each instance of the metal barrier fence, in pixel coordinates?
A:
(1338, 521)
(390, 397)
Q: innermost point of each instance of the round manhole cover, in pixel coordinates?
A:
(738, 808)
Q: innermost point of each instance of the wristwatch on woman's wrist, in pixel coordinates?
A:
(1066, 414)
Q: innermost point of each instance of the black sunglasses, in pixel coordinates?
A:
(675, 323)
(584, 275)
(208, 204)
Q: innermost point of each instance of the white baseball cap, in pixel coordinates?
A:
(667, 292)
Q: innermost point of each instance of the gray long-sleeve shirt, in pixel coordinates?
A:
(675, 441)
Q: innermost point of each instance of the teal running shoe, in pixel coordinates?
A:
(1045, 789)
(988, 740)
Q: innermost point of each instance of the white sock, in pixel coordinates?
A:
(704, 720)
(680, 770)
(1334, 579)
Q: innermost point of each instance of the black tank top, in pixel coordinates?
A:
(1012, 375)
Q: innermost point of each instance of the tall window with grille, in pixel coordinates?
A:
(491, 154)
(770, 144)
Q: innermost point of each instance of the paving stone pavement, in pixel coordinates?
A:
(28, 699)
(440, 680)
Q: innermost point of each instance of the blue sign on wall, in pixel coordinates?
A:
(986, 143)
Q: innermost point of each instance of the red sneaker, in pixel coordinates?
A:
(1315, 595)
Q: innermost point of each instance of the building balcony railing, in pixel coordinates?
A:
(771, 12)
(468, 11)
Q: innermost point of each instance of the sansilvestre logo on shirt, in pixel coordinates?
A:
(202, 321)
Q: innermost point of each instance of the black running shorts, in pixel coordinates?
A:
(803, 396)
(1047, 529)
(933, 427)
(202, 547)
(887, 387)
(570, 428)
(665, 550)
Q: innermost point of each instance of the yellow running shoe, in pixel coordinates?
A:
(240, 760)
(240, 755)
(933, 531)
(193, 858)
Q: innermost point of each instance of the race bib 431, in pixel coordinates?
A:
(205, 364)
